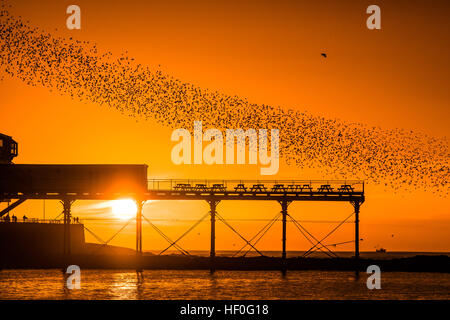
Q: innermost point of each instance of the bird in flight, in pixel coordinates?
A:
(323, 54)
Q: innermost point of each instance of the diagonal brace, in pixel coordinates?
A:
(12, 206)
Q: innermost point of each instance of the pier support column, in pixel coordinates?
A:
(284, 211)
(212, 254)
(67, 206)
(356, 205)
(139, 205)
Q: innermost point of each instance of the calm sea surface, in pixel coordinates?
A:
(169, 284)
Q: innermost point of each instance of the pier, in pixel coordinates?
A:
(213, 192)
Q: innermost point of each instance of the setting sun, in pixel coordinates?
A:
(124, 209)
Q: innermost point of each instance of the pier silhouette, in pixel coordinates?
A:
(212, 191)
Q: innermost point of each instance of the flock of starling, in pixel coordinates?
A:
(397, 158)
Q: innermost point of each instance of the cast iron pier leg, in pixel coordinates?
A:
(140, 204)
(284, 210)
(67, 205)
(213, 205)
(356, 205)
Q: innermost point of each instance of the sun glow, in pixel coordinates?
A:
(124, 209)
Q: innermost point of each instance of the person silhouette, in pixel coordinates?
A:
(24, 218)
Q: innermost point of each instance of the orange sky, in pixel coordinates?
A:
(270, 53)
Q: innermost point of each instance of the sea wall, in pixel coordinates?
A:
(28, 238)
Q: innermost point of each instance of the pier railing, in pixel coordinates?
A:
(37, 220)
(257, 186)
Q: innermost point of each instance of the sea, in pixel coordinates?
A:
(201, 284)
